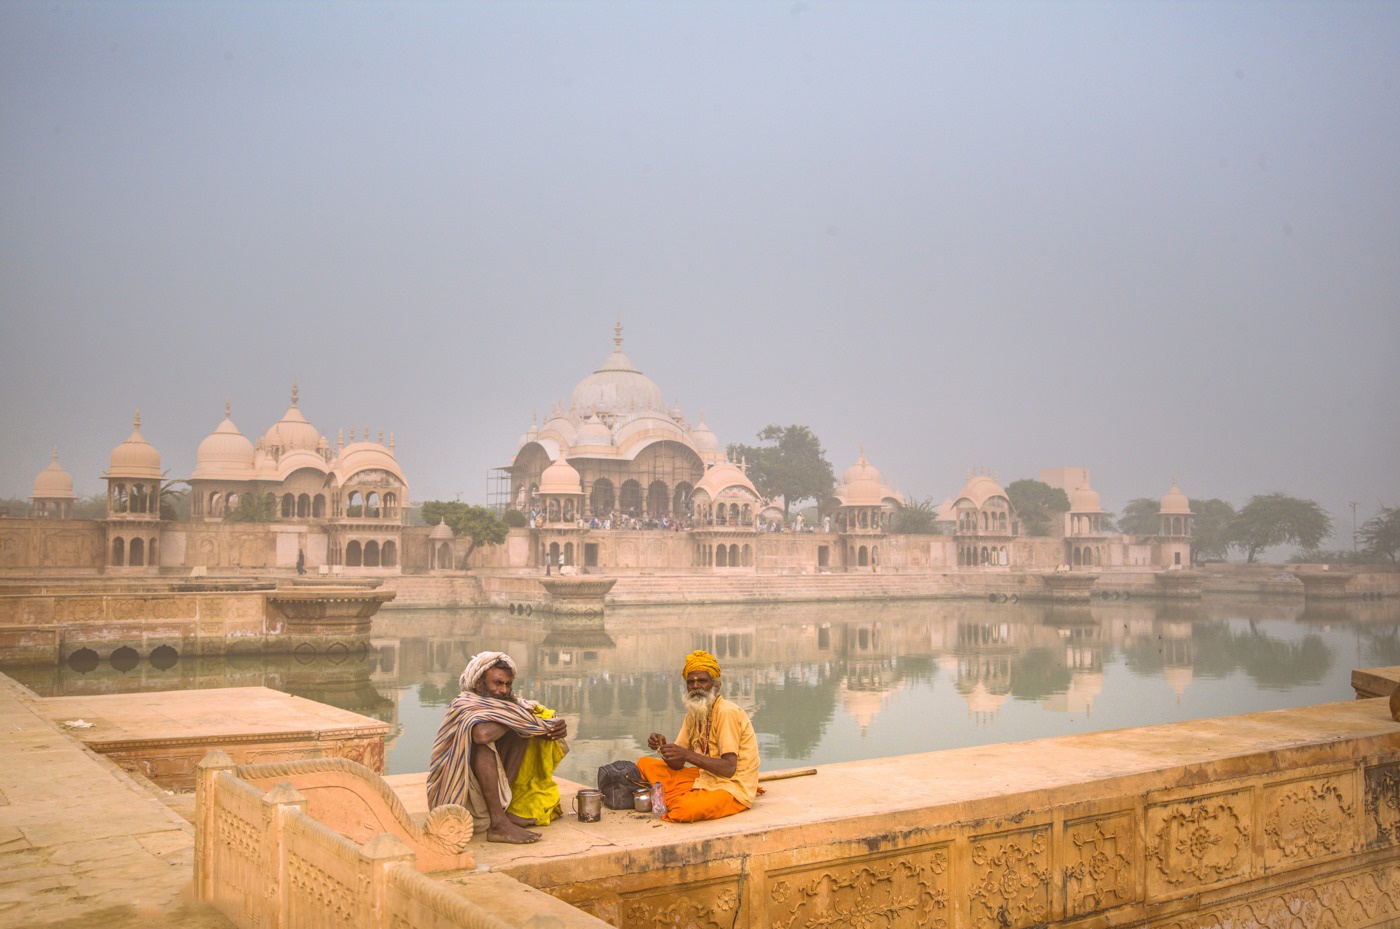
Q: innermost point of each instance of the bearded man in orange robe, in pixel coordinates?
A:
(711, 769)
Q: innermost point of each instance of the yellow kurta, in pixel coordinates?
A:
(730, 733)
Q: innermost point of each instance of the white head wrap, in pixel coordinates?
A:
(478, 666)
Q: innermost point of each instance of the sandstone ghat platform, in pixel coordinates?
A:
(82, 844)
(164, 734)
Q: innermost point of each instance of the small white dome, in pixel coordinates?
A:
(135, 457)
(1175, 503)
(1084, 500)
(292, 431)
(53, 483)
(560, 478)
(594, 433)
(704, 438)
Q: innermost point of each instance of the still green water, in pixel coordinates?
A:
(826, 683)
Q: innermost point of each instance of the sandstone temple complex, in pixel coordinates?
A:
(614, 480)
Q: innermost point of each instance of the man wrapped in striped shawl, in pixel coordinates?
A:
(494, 748)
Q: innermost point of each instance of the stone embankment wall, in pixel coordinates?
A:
(1283, 818)
(52, 625)
(52, 621)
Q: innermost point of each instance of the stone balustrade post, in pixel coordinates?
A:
(204, 824)
(378, 855)
(277, 805)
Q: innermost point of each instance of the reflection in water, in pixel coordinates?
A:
(823, 683)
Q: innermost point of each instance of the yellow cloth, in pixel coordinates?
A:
(701, 661)
(534, 793)
(730, 732)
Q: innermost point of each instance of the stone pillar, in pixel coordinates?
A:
(206, 771)
(278, 803)
(378, 855)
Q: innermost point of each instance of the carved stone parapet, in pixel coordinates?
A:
(577, 596)
(1176, 585)
(1065, 587)
(318, 611)
(1324, 585)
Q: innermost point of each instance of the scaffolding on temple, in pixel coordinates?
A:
(498, 490)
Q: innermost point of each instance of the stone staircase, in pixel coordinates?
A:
(787, 588)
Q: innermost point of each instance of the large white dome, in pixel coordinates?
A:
(617, 387)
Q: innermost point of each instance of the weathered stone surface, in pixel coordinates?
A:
(164, 735)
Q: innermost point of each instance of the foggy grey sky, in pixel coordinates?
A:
(1148, 239)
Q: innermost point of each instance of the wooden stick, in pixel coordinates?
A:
(784, 775)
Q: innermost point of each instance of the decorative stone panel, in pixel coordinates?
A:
(1383, 805)
(1305, 820)
(1355, 901)
(712, 905)
(1099, 869)
(1009, 878)
(907, 888)
(1197, 842)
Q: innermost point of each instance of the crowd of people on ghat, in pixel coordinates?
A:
(496, 752)
(535, 519)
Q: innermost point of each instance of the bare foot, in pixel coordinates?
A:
(511, 833)
(521, 820)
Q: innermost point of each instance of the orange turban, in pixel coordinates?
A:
(701, 661)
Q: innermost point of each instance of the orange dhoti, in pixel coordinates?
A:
(684, 803)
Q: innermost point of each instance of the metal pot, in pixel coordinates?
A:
(641, 801)
(588, 804)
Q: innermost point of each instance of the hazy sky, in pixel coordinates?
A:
(1147, 239)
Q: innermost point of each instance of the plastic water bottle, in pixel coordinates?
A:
(658, 800)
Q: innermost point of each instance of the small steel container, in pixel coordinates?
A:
(641, 801)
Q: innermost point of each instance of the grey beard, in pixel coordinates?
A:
(697, 709)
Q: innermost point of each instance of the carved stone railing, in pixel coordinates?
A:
(264, 862)
(1282, 819)
(355, 802)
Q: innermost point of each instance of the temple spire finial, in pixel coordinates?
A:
(228, 408)
(136, 423)
(617, 334)
(55, 454)
(294, 391)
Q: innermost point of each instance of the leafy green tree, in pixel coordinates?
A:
(1278, 519)
(1381, 533)
(1210, 534)
(1037, 504)
(919, 517)
(792, 465)
(514, 519)
(14, 506)
(477, 524)
(256, 505)
(1139, 517)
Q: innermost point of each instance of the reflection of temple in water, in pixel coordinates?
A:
(795, 669)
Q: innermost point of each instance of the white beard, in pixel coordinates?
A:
(697, 710)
